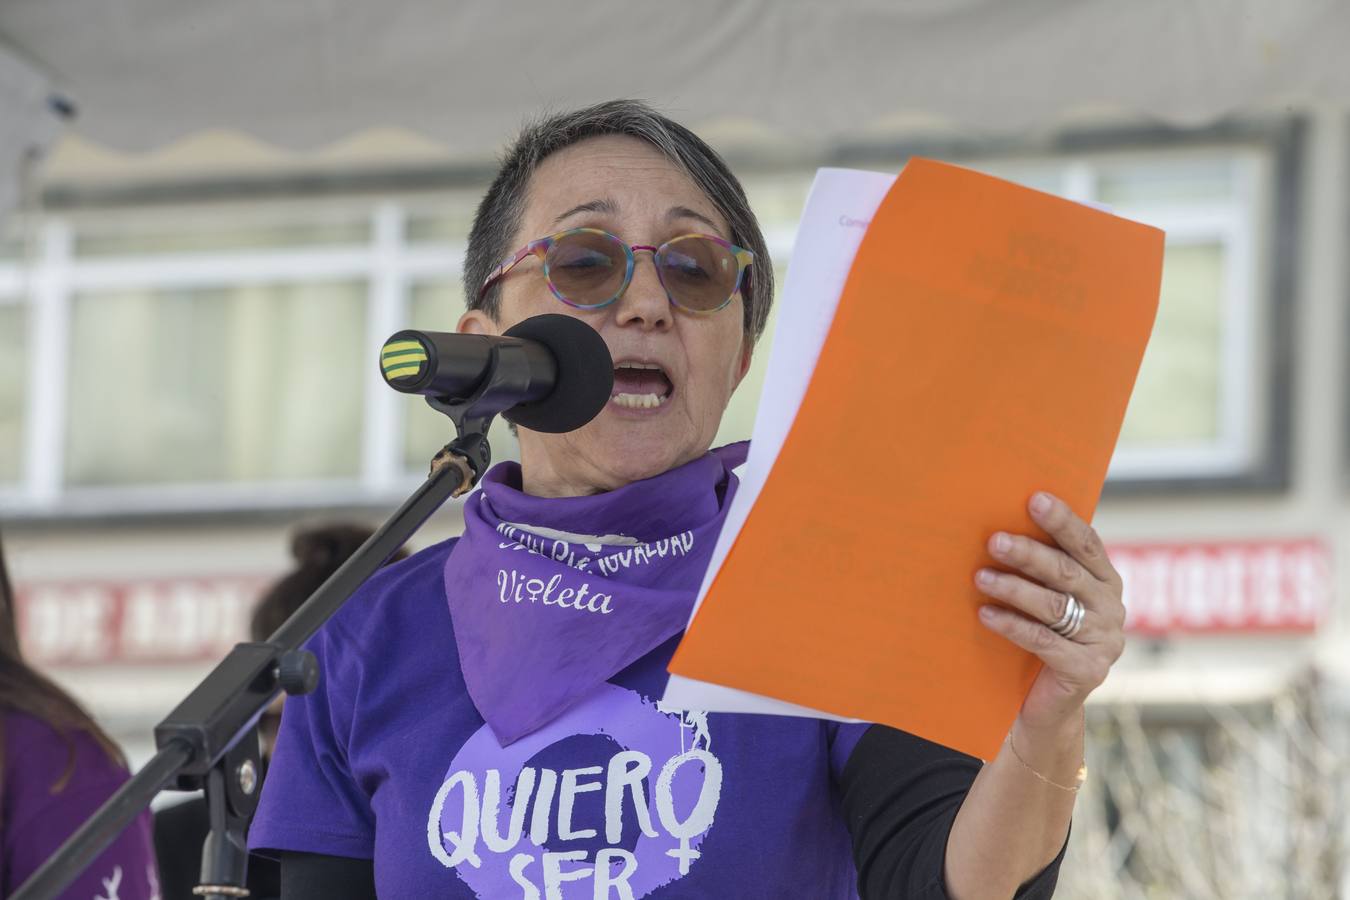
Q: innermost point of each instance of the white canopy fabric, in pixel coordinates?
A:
(28, 124)
(465, 73)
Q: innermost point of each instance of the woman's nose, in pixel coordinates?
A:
(644, 303)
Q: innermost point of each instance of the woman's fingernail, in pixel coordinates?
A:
(985, 577)
(988, 613)
(1040, 503)
(1002, 543)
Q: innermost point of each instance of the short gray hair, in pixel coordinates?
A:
(498, 217)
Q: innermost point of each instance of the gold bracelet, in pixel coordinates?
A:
(1078, 779)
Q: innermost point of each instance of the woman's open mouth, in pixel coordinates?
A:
(639, 385)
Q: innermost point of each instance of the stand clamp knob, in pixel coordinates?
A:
(298, 672)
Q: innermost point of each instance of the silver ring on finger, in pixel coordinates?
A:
(1071, 622)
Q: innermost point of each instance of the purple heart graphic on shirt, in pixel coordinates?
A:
(613, 798)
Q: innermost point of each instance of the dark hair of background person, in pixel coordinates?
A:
(24, 689)
(498, 217)
(319, 551)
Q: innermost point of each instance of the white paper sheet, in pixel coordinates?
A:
(839, 207)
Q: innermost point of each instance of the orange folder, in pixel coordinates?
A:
(984, 347)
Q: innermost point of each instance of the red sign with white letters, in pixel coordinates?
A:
(150, 621)
(1225, 586)
(1214, 587)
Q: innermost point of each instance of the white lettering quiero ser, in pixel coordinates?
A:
(481, 827)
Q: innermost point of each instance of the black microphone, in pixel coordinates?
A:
(560, 368)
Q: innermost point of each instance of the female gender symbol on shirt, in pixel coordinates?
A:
(613, 799)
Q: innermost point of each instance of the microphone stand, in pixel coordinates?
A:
(210, 740)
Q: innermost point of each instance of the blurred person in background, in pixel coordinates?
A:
(181, 830)
(57, 766)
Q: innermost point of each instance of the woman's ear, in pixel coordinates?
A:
(476, 321)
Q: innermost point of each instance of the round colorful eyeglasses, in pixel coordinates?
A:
(588, 268)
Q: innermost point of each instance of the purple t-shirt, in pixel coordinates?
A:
(37, 820)
(389, 760)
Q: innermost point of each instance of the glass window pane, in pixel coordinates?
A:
(437, 230)
(238, 384)
(1037, 176)
(437, 306)
(15, 242)
(1166, 183)
(739, 420)
(13, 384)
(210, 232)
(1176, 398)
(11, 249)
(448, 223)
(778, 200)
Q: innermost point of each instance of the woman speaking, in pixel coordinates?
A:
(488, 723)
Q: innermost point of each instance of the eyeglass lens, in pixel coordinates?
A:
(588, 269)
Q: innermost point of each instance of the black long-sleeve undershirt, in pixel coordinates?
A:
(900, 795)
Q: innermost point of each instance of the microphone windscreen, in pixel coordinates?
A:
(585, 376)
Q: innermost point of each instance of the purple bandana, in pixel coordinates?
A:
(550, 597)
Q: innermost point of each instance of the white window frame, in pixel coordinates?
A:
(1235, 449)
(48, 282)
(390, 265)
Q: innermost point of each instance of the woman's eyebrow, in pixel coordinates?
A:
(684, 212)
(603, 205)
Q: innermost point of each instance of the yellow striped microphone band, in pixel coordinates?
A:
(402, 359)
